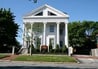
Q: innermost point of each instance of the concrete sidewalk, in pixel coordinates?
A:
(86, 59)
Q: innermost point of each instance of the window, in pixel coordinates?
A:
(61, 31)
(39, 14)
(51, 28)
(51, 14)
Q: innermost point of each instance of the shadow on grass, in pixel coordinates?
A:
(38, 67)
(4, 56)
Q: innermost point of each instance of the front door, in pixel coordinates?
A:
(51, 42)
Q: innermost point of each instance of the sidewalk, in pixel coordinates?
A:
(86, 59)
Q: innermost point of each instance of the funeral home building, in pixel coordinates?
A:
(46, 24)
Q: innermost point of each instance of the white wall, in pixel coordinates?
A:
(51, 34)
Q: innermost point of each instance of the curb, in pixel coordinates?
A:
(39, 62)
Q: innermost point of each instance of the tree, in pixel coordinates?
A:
(76, 34)
(83, 34)
(8, 28)
(79, 31)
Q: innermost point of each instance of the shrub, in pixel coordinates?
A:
(64, 49)
(33, 49)
(56, 50)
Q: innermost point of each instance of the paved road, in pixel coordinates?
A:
(45, 65)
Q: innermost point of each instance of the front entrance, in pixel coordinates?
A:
(51, 41)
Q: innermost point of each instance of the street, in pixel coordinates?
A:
(45, 65)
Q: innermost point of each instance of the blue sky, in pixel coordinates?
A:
(78, 10)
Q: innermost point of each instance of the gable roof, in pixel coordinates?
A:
(46, 9)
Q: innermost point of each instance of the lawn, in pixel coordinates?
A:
(45, 58)
(2, 56)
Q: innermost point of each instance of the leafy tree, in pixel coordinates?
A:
(79, 31)
(75, 31)
(83, 34)
(8, 28)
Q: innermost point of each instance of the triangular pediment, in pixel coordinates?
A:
(46, 11)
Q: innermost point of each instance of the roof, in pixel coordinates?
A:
(46, 11)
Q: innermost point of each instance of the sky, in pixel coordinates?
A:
(78, 10)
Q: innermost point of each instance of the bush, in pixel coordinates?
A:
(33, 49)
(64, 49)
(37, 50)
(57, 49)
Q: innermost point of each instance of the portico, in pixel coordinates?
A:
(48, 25)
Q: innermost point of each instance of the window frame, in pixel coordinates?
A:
(51, 28)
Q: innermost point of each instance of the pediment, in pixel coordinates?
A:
(46, 11)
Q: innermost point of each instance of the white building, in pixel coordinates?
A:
(48, 24)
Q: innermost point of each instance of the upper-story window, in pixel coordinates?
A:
(61, 31)
(51, 14)
(51, 28)
(39, 14)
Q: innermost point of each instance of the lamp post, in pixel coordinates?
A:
(97, 40)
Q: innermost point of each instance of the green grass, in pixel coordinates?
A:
(2, 56)
(45, 58)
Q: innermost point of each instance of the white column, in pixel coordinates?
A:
(24, 36)
(66, 34)
(58, 33)
(31, 37)
(44, 34)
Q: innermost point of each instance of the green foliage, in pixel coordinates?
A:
(82, 35)
(3, 56)
(8, 28)
(38, 28)
(79, 31)
(64, 49)
(57, 49)
(33, 49)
